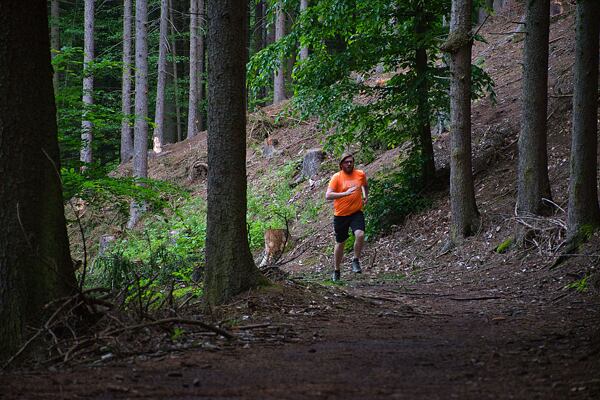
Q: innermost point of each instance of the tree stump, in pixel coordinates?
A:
(198, 170)
(311, 163)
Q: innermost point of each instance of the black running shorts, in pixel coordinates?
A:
(356, 222)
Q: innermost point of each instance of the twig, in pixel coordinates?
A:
(475, 298)
(82, 233)
(255, 326)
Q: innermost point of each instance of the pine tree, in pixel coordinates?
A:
(533, 184)
(126, 131)
(87, 134)
(583, 187)
(35, 262)
(463, 209)
(230, 268)
(159, 114)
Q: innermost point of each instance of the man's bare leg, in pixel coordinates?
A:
(338, 254)
(359, 241)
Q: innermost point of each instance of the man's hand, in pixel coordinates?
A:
(350, 190)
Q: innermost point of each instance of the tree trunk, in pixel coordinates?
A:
(259, 40)
(463, 209)
(304, 49)
(279, 78)
(126, 131)
(230, 268)
(88, 83)
(583, 188)
(192, 127)
(423, 111)
(533, 184)
(35, 263)
(175, 74)
(55, 38)
(140, 129)
(159, 114)
(201, 68)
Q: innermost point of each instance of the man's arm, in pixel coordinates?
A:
(331, 195)
(365, 193)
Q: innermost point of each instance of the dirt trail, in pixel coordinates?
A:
(423, 339)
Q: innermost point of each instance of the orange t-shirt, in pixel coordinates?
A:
(340, 182)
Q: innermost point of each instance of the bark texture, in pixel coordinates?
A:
(583, 188)
(159, 111)
(35, 264)
(126, 131)
(230, 268)
(533, 184)
(304, 49)
(463, 209)
(87, 133)
(192, 127)
(279, 78)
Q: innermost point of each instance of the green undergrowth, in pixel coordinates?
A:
(393, 196)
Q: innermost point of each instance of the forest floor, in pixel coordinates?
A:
(418, 323)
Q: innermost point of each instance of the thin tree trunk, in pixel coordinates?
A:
(175, 74)
(533, 183)
(463, 209)
(304, 49)
(159, 114)
(259, 39)
(201, 69)
(87, 133)
(35, 263)
(583, 187)
(192, 126)
(279, 78)
(423, 110)
(126, 131)
(230, 268)
(55, 38)
(140, 130)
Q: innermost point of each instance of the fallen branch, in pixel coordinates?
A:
(165, 321)
(476, 298)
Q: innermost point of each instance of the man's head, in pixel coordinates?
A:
(347, 163)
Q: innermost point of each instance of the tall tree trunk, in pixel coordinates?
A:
(55, 38)
(126, 131)
(279, 78)
(175, 74)
(423, 110)
(258, 28)
(192, 127)
(87, 133)
(533, 184)
(230, 268)
(259, 39)
(304, 49)
(35, 263)
(201, 69)
(159, 114)
(583, 187)
(140, 130)
(463, 209)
